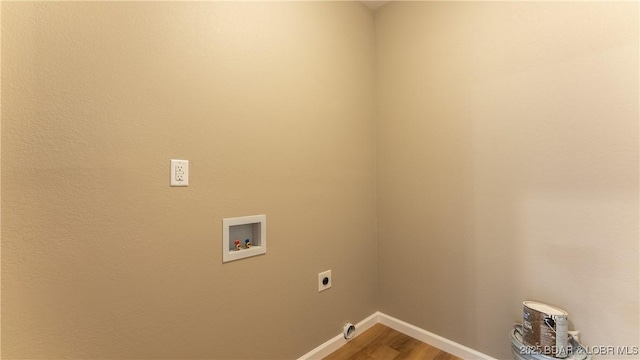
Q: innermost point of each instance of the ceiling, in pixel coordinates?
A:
(374, 4)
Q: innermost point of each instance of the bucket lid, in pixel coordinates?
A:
(544, 308)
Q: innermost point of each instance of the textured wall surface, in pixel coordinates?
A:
(508, 166)
(507, 160)
(273, 105)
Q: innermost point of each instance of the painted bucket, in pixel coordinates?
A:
(545, 328)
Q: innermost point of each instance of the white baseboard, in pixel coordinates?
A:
(337, 341)
(415, 332)
(430, 338)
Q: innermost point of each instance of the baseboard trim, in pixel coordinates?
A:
(415, 332)
(337, 341)
(430, 338)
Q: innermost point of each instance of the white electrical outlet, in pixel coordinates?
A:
(179, 172)
(324, 280)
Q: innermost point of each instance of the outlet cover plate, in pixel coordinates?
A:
(179, 172)
(321, 276)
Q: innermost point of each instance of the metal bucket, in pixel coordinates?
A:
(545, 328)
(521, 351)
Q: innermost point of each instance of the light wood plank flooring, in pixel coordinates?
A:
(383, 343)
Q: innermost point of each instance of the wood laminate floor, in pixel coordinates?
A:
(383, 343)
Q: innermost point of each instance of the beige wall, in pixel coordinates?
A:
(273, 105)
(507, 160)
(508, 166)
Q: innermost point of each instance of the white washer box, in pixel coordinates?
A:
(253, 228)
